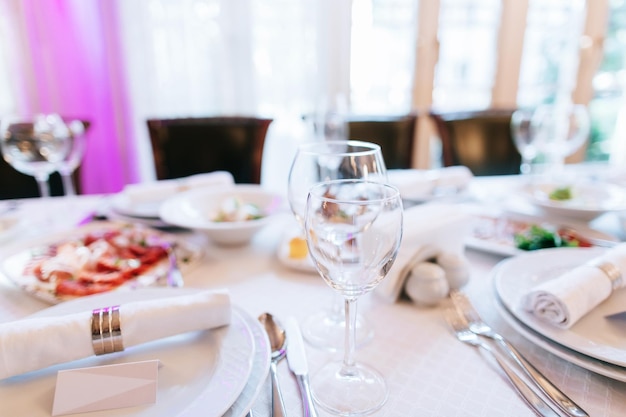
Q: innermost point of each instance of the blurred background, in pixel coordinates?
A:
(118, 63)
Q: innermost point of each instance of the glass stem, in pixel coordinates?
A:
(42, 182)
(348, 356)
(68, 184)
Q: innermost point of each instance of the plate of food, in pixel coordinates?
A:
(229, 216)
(510, 234)
(294, 253)
(96, 258)
(582, 201)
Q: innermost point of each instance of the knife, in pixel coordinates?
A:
(296, 358)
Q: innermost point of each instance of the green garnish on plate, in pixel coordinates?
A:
(537, 237)
(561, 194)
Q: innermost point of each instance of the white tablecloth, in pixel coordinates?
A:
(429, 372)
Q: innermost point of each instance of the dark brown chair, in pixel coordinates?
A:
(14, 184)
(394, 134)
(183, 147)
(480, 140)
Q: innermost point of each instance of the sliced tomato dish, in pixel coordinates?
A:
(99, 261)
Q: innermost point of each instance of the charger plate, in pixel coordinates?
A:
(593, 335)
(205, 370)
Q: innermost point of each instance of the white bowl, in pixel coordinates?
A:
(196, 209)
(589, 200)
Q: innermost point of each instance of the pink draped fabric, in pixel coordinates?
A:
(73, 66)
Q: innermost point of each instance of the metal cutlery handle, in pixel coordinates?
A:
(308, 408)
(562, 400)
(531, 398)
(278, 408)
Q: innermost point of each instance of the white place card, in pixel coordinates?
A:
(105, 387)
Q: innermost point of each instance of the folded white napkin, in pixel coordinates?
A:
(429, 230)
(567, 298)
(420, 184)
(160, 190)
(35, 343)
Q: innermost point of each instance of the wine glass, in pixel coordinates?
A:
(319, 161)
(35, 147)
(353, 232)
(524, 138)
(330, 120)
(559, 129)
(74, 157)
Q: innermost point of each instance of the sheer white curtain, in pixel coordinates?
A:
(176, 58)
(243, 57)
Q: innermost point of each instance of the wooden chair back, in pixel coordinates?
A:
(187, 146)
(480, 140)
(394, 134)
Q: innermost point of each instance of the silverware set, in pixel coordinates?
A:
(542, 395)
(287, 342)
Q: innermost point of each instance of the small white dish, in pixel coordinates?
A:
(593, 335)
(207, 371)
(299, 264)
(196, 210)
(588, 199)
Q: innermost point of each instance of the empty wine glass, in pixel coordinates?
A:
(559, 129)
(36, 146)
(313, 163)
(68, 165)
(524, 138)
(353, 231)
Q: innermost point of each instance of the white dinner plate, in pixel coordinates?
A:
(123, 204)
(259, 373)
(589, 199)
(600, 367)
(14, 258)
(207, 370)
(593, 335)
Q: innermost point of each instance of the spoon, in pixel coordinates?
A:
(278, 342)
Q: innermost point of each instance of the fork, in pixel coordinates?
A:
(464, 334)
(480, 328)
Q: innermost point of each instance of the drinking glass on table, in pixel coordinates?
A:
(353, 231)
(68, 165)
(559, 130)
(313, 163)
(35, 146)
(523, 138)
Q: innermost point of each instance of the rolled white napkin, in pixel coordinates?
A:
(35, 343)
(160, 190)
(429, 230)
(420, 184)
(566, 299)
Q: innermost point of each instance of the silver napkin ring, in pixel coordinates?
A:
(611, 271)
(106, 331)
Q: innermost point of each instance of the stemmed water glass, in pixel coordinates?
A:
(313, 163)
(353, 231)
(35, 146)
(68, 165)
(559, 130)
(523, 138)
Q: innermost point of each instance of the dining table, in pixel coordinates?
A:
(428, 371)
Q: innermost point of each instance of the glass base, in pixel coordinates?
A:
(353, 391)
(327, 330)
